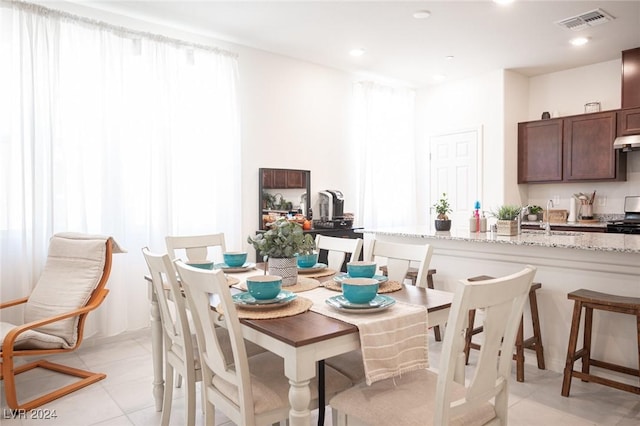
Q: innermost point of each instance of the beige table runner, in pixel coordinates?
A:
(393, 342)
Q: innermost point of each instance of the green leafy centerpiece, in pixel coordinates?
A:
(279, 246)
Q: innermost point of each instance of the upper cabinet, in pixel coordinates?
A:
(283, 178)
(629, 122)
(540, 151)
(570, 149)
(631, 78)
(588, 147)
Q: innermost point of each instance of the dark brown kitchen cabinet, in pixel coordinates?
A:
(588, 148)
(540, 151)
(629, 122)
(282, 178)
(296, 179)
(631, 78)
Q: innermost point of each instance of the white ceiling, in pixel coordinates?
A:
(481, 35)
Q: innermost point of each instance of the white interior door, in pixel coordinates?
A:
(454, 165)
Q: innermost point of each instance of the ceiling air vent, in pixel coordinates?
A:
(587, 19)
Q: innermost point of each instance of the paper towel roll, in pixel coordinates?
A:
(572, 210)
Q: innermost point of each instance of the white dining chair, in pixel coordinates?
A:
(339, 250)
(443, 401)
(398, 257)
(201, 247)
(248, 390)
(180, 349)
(196, 247)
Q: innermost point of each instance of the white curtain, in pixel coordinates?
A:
(109, 131)
(385, 134)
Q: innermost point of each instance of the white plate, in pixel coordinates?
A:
(315, 268)
(226, 268)
(379, 303)
(342, 275)
(247, 301)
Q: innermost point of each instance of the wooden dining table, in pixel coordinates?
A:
(301, 340)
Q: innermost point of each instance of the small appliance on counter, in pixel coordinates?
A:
(631, 222)
(331, 205)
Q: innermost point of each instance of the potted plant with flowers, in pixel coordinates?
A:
(279, 246)
(442, 207)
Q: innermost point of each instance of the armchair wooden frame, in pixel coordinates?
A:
(9, 371)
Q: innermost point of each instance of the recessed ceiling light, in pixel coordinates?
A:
(503, 1)
(357, 52)
(449, 57)
(421, 14)
(579, 41)
(438, 77)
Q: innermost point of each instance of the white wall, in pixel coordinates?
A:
(294, 115)
(566, 92)
(463, 105)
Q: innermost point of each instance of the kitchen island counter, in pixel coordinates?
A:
(626, 243)
(565, 261)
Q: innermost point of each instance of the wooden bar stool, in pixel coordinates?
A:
(534, 342)
(412, 275)
(590, 300)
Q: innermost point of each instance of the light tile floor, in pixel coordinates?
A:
(124, 397)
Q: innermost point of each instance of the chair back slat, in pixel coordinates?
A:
(399, 257)
(196, 247)
(339, 250)
(201, 288)
(503, 300)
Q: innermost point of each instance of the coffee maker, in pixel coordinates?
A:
(331, 205)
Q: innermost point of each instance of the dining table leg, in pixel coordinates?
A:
(300, 369)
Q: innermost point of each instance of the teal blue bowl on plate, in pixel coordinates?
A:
(360, 290)
(264, 287)
(361, 269)
(235, 259)
(202, 264)
(307, 260)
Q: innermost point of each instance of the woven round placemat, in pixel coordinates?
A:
(323, 273)
(298, 306)
(385, 287)
(303, 284)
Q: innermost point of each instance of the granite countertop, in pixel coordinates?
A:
(595, 241)
(571, 224)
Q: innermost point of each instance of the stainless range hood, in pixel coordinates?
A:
(627, 143)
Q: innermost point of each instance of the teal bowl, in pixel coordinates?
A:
(307, 260)
(202, 264)
(361, 269)
(234, 259)
(360, 290)
(264, 287)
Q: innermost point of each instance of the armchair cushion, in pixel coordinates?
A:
(72, 271)
(32, 339)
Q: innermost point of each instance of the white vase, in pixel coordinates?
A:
(287, 268)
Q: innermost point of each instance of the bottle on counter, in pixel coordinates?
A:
(473, 224)
(483, 223)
